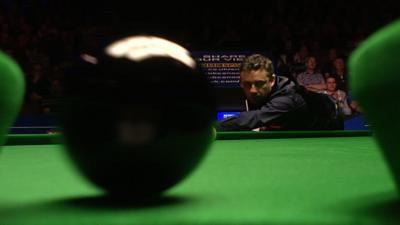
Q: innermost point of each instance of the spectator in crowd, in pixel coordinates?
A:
(311, 79)
(299, 60)
(328, 65)
(356, 109)
(339, 97)
(339, 72)
(32, 33)
(38, 88)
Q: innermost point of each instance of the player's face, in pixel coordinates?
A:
(256, 85)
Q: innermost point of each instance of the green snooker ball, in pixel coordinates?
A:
(374, 70)
(139, 116)
(12, 88)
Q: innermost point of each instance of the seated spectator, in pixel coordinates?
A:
(38, 87)
(339, 97)
(339, 72)
(328, 61)
(354, 105)
(311, 79)
(299, 61)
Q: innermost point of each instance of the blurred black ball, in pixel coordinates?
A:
(136, 127)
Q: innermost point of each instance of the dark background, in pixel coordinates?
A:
(45, 36)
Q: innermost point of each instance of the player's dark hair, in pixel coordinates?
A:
(256, 62)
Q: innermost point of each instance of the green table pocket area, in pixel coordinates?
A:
(289, 178)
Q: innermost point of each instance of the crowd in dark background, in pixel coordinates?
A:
(45, 36)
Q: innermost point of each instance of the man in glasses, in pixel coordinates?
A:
(272, 102)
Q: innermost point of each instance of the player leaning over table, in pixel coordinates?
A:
(277, 103)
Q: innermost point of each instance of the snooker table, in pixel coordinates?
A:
(330, 177)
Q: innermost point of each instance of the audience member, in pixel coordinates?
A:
(339, 97)
(339, 72)
(311, 79)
